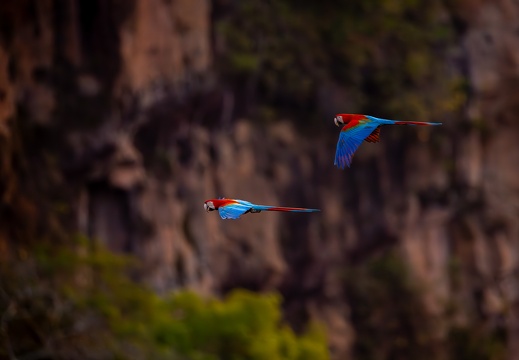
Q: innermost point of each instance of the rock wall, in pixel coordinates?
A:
(116, 102)
(488, 157)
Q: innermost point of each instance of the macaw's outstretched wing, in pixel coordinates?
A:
(349, 141)
(234, 210)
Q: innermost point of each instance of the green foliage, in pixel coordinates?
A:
(244, 326)
(79, 301)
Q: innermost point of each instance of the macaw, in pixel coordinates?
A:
(358, 128)
(234, 208)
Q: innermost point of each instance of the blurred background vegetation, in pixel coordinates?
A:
(79, 301)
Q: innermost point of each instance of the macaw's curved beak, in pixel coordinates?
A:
(206, 207)
(338, 121)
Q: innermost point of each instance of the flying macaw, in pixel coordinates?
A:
(234, 208)
(358, 128)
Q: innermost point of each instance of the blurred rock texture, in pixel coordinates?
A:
(112, 104)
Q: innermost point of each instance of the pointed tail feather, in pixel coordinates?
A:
(282, 208)
(416, 123)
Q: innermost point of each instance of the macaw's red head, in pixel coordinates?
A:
(343, 119)
(215, 204)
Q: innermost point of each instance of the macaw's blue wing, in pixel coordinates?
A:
(349, 141)
(234, 211)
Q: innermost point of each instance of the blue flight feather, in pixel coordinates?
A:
(349, 142)
(234, 211)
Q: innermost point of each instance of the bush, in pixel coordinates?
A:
(79, 302)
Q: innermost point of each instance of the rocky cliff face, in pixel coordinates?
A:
(487, 159)
(116, 103)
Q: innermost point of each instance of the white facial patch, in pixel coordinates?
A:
(209, 206)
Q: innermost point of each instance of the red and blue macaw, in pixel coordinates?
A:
(358, 128)
(234, 208)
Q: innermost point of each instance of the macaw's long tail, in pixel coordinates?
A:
(395, 122)
(416, 123)
(282, 208)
